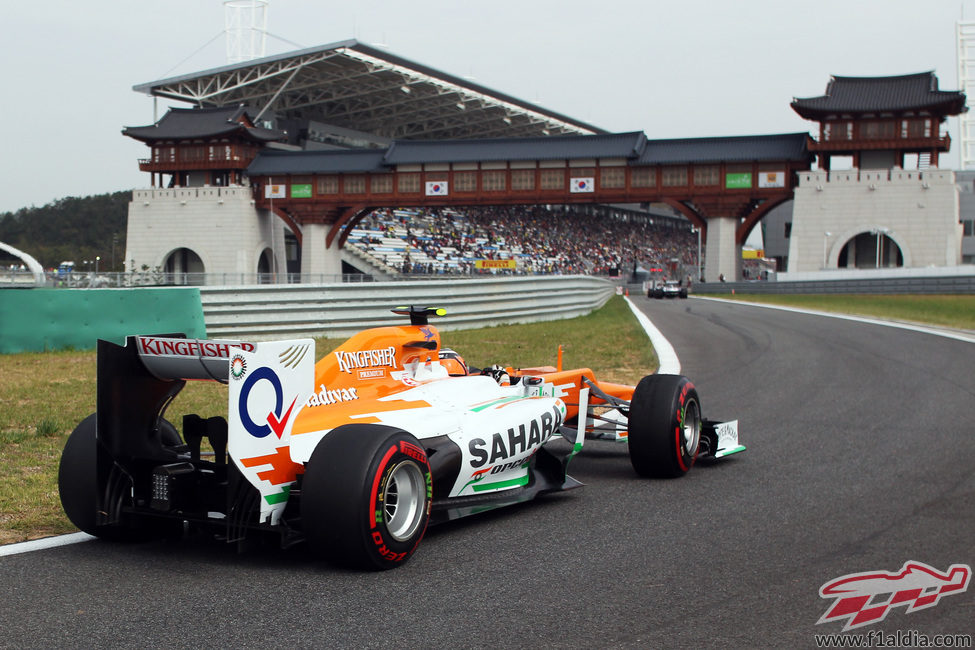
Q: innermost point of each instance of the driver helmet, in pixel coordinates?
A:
(453, 362)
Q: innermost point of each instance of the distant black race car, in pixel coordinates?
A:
(669, 289)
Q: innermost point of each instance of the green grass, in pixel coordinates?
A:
(44, 395)
(955, 311)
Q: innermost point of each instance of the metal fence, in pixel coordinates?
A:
(91, 280)
(921, 285)
(77, 280)
(277, 311)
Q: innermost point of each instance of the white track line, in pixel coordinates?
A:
(41, 544)
(949, 334)
(669, 363)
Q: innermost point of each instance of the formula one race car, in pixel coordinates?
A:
(357, 453)
(669, 289)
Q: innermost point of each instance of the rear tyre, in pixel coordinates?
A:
(78, 476)
(82, 494)
(365, 496)
(664, 426)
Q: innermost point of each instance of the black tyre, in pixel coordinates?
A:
(78, 476)
(365, 496)
(81, 492)
(664, 426)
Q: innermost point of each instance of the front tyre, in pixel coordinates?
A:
(365, 496)
(664, 426)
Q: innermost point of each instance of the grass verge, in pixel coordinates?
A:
(44, 395)
(955, 311)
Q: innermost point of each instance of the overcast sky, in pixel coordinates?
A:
(672, 69)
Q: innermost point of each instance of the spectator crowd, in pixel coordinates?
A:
(540, 240)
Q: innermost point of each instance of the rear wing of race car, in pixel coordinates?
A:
(269, 383)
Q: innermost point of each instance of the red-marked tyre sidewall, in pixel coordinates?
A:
(664, 426)
(365, 496)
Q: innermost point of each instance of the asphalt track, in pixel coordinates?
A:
(860, 458)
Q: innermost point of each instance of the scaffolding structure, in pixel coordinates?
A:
(245, 23)
(965, 32)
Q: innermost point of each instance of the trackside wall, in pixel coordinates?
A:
(34, 320)
(336, 310)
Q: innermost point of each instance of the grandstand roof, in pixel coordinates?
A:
(912, 92)
(632, 146)
(355, 86)
(185, 123)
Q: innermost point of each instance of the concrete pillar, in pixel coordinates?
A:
(723, 255)
(319, 264)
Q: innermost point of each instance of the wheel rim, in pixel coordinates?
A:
(692, 428)
(403, 500)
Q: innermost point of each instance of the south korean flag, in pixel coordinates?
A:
(437, 188)
(579, 185)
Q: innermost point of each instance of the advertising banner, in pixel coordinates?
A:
(275, 192)
(495, 264)
(301, 191)
(771, 179)
(738, 181)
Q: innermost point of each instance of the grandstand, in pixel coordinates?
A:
(539, 239)
(338, 131)
(340, 96)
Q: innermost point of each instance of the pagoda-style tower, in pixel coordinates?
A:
(877, 120)
(888, 210)
(200, 147)
(199, 217)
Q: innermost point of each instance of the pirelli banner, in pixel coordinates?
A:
(495, 264)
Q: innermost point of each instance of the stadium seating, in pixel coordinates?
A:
(543, 240)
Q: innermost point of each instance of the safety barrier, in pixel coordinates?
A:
(919, 285)
(52, 319)
(337, 310)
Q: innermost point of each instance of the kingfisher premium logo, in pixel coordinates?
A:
(349, 361)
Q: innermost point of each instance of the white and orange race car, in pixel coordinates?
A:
(355, 454)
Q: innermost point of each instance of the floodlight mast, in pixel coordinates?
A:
(245, 23)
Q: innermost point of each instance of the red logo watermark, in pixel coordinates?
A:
(865, 598)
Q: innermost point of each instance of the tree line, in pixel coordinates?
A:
(78, 229)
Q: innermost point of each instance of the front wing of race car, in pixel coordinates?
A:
(607, 418)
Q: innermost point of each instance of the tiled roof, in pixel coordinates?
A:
(270, 162)
(613, 145)
(188, 123)
(746, 148)
(634, 147)
(881, 94)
